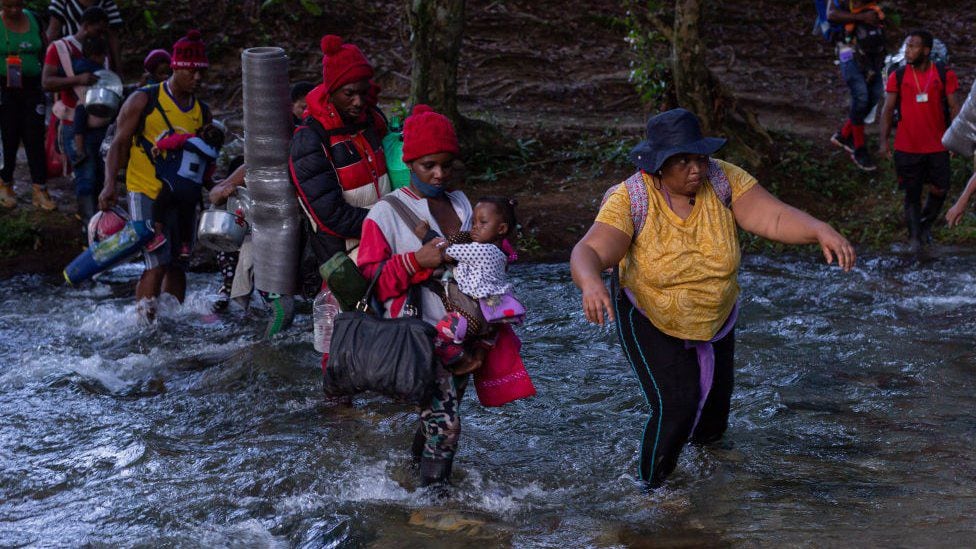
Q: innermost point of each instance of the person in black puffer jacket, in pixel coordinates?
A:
(337, 162)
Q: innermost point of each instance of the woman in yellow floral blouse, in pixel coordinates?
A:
(671, 229)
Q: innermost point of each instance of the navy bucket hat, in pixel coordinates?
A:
(672, 132)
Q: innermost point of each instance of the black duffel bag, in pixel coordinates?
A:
(391, 356)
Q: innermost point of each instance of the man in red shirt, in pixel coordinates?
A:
(927, 105)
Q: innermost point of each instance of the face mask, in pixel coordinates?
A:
(429, 191)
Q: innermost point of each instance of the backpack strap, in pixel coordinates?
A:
(382, 115)
(639, 202)
(152, 102)
(720, 182)
(638, 199)
(205, 112)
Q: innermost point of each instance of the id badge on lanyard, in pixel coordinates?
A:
(922, 97)
(14, 72)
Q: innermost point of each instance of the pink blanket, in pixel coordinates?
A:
(503, 378)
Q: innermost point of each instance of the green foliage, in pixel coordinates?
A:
(150, 19)
(864, 207)
(310, 6)
(648, 68)
(593, 154)
(37, 6)
(529, 244)
(16, 233)
(398, 111)
(894, 17)
(486, 167)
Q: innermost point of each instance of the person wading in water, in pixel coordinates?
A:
(675, 301)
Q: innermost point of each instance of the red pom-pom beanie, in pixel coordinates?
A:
(342, 63)
(189, 52)
(427, 132)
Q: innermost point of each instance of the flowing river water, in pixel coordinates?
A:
(852, 424)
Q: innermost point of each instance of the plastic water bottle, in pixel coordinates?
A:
(324, 310)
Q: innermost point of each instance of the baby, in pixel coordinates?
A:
(190, 162)
(481, 274)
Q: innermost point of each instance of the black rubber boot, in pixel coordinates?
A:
(417, 447)
(435, 471)
(930, 213)
(913, 219)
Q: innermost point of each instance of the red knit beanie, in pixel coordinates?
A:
(189, 52)
(427, 132)
(342, 63)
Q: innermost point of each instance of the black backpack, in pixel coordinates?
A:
(900, 75)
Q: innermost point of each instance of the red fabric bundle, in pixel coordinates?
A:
(503, 377)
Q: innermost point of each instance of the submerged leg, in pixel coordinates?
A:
(440, 423)
(715, 414)
(669, 378)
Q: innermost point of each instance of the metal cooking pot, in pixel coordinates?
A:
(102, 102)
(104, 97)
(222, 231)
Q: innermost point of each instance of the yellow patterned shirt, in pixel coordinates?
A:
(682, 271)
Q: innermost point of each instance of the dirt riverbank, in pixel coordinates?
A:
(556, 80)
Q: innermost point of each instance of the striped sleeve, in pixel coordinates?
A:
(69, 11)
(114, 15)
(58, 9)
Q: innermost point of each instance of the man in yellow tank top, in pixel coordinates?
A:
(172, 106)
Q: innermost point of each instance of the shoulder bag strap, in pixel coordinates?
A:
(407, 215)
(411, 306)
(363, 304)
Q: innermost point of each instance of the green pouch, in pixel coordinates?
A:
(344, 280)
(398, 171)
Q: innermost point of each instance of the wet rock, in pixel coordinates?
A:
(456, 522)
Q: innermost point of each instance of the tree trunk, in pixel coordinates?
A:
(436, 30)
(700, 91)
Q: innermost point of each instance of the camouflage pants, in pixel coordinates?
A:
(440, 419)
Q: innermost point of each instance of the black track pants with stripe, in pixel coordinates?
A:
(668, 375)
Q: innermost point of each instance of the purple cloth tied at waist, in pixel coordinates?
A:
(504, 308)
(705, 352)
